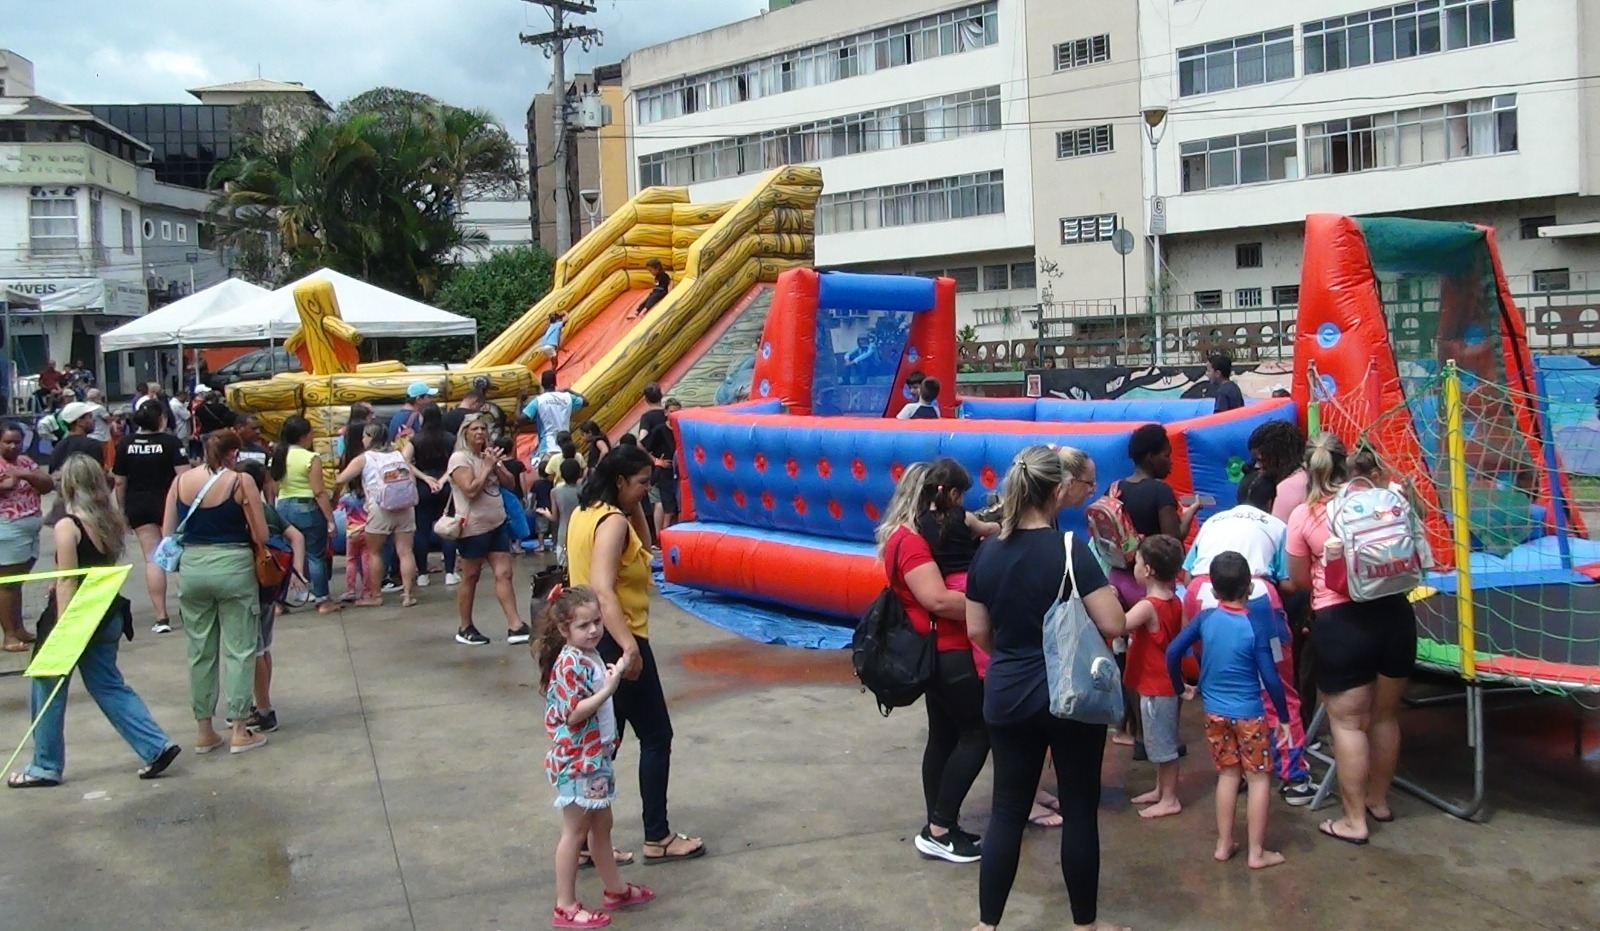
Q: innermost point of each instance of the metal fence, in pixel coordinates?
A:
(1098, 333)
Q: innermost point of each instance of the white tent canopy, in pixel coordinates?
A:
(370, 309)
(161, 327)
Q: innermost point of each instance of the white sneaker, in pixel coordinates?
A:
(451, 578)
(422, 581)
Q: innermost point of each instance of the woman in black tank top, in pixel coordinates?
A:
(91, 535)
(429, 451)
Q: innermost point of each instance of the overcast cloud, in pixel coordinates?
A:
(464, 52)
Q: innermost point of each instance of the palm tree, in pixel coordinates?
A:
(375, 192)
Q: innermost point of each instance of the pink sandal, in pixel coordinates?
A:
(632, 894)
(568, 917)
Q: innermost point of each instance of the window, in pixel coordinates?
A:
(127, 232)
(935, 119)
(1090, 140)
(1239, 62)
(206, 236)
(52, 223)
(1097, 228)
(1247, 255)
(166, 230)
(1404, 31)
(997, 278)
(966, 279)
(183, 232)
(1248, 158)
(949, 33)
(1080, 52)
(1530, 226)
(938, 199)
(1247, 297)
(1208, 300)
(1552, 279)
(1022, 276)
(1286, 295)
(149, 229)
(1477, 22)
(1419, 136)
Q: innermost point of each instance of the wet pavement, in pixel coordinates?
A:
(405, 791)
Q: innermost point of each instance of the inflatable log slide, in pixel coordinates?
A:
(714, 253)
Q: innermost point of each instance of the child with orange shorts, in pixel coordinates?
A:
(1235, 665)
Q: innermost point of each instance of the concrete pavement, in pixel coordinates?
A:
(405, 791)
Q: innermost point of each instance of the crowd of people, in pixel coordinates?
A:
(394, 494)
(1252, 587)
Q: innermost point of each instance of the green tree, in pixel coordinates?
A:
(494, 292)
(374, 192)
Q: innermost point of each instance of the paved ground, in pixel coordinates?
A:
(405, 792)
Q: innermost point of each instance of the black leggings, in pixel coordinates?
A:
(641, 703)
(1018, 758)
(958, 742)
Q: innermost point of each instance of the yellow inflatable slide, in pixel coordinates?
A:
(715, 253)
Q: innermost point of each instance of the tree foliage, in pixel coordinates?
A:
(494, 292)
(374, 192)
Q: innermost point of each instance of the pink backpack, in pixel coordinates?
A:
(1111, 529)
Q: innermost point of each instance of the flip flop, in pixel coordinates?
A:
(21, 780)
(666, 845)
(586, 862)
(1374, 816)
(1327, 829)
(1047, 818)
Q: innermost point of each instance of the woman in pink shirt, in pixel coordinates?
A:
(22, 481)
(1364, 653)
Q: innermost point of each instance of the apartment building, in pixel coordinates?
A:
(917, 113)
(1467, 110)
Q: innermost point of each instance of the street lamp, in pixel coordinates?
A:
(1154, 130)
(591, 206)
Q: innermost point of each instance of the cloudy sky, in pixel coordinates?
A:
(464, 52)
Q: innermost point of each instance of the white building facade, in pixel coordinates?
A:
(916, 112)
(1465, 110)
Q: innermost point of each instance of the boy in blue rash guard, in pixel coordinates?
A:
(1235, 665)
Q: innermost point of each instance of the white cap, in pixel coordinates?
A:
(78, 410)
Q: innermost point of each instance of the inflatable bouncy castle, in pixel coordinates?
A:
(782, 494)
(1390, 305)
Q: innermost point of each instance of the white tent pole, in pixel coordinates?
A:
(183, 370)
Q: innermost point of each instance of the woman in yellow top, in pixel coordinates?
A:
(605, 551)
(304, 502)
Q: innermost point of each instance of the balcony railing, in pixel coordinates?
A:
(1556, 321)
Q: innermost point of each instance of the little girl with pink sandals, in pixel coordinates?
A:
(583, 738)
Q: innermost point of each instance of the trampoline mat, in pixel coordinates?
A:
(1546, 632)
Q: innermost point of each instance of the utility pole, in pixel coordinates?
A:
(554, 44)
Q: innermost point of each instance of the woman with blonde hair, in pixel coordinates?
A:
(390, 483)
(477, 471)
(957, 743)
(1364, 653)
(1014, 580)
(91, 534)
(218, 596)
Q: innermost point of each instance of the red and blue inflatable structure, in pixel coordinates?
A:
(782, 494)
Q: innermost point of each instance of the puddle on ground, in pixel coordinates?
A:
(760, 664)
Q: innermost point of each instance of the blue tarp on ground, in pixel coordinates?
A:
(760, 623)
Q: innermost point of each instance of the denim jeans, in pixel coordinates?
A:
(430, 508)
(304, 515)
(121, 705)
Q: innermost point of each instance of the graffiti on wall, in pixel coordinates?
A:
(1168, 382)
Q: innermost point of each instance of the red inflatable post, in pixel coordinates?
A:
(786, 361)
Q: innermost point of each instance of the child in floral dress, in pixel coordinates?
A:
(583, 739)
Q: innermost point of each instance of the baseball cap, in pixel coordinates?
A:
(78, 409)
(201, 391)
(419, 389)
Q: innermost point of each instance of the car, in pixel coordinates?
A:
(254, 366)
